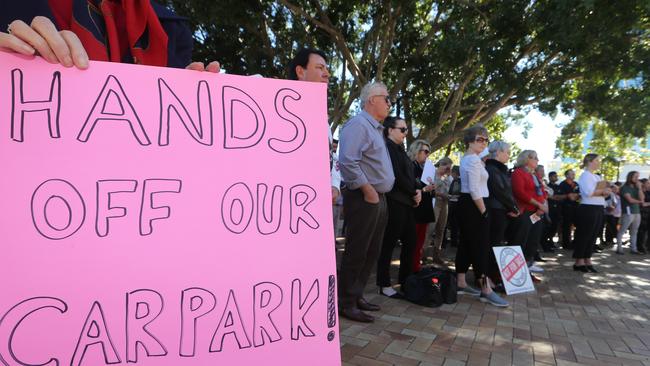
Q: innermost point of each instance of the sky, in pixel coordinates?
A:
(542, 135)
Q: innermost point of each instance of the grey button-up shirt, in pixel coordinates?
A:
(363, 157)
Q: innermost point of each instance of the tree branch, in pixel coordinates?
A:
(388, 39)
(327, 26)
(413, 59)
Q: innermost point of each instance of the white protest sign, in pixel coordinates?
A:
(429, 173)
(513, 269)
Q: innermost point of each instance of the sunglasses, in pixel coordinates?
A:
(481, 140)
(403, 129)
(426, 151)
(386, 98)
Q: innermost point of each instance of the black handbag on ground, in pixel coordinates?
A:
(431, 287)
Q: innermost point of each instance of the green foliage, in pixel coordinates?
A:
(591, 135)
(451, 64)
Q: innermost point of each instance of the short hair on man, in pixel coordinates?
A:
(366, 92)
(566, 173)
(550, 174)
(302, 59)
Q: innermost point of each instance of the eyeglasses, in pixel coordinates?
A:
(481, 140)
(403, 129)
(426, 151)
(386, 98)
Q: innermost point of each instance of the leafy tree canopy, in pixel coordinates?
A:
(450, 63)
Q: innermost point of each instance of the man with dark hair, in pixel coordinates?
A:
(569, 193)
(311, 65)
(554, 208)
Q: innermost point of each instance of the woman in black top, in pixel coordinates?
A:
(500, 204)
(401, 200)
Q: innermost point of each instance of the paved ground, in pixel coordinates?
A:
(572, 319)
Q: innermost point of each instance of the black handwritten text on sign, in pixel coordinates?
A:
(163, 217)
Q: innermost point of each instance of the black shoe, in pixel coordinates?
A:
(642, 251)
(366, 306)
(356, 315)
(580, 268)
(538, 258)
(591, 269)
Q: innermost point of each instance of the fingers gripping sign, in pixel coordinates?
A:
(41, 37)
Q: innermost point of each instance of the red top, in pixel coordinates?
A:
(129, 28)
(523, 188)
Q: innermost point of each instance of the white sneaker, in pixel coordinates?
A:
(536, 269)
(388, 291)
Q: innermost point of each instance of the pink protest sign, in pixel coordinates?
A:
(163, 217)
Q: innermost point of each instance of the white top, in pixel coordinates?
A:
(473, 177)
(587, 184)
(335, 174)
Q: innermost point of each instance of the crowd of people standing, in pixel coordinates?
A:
(481, 202)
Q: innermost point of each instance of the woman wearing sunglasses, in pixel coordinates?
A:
(401, 218)
(424, 215)
(474, 246)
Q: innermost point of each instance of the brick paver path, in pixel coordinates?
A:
(572, 319)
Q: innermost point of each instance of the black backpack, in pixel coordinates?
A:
(431, 287)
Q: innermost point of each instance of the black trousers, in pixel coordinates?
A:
(589, 220)
(499, 222)
(498, 225)
(474, 245)
(611, 222)
(534, 239)
(555, 214)
(568, 219)
(400, 226)
(643, 234)
(453, 223)
(527, 235)
(364, 234)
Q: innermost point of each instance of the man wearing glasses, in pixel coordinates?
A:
(367, 174)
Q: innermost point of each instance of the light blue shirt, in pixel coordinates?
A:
(363, 157)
